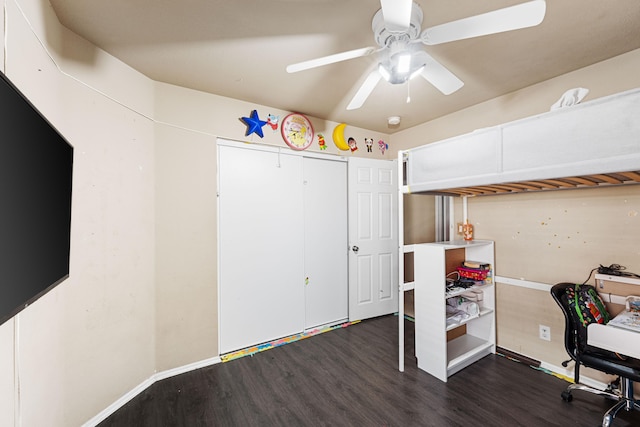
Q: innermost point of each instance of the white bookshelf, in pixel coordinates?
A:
(441, 349)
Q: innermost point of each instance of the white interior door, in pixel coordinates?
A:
(373, 238)
(325, 250)
(261, 232)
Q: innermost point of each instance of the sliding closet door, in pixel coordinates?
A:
(325, 249)
(260, 240)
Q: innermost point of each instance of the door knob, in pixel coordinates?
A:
(355, 249)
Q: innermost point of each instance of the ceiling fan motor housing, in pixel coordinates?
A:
(384, 37)
(398, 63)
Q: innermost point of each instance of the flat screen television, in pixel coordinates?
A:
(36, 164)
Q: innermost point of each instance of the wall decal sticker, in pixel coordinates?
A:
(369, 143)
(272, 121)
(383, 146)
(353, 146)
(338, 137)
(254, 124)
(321, 142)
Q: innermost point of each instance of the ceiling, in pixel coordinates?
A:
(240, 48)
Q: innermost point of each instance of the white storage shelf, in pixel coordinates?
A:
(473, 338)
(483, 312)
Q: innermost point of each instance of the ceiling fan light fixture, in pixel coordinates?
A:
(404, 63)
(401, 67)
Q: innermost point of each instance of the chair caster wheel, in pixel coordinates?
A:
(567, 396)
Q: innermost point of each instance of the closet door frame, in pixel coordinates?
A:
(230, 337)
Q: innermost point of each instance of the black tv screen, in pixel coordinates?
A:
(36, 165)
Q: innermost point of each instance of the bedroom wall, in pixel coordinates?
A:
(89, 339)
(551, 236)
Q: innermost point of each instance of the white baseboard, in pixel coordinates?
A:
(186, 368)
(105, 413)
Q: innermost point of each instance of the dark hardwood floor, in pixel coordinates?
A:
(350, 377)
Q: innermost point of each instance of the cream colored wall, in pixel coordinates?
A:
(186, 252)
(566, 232)
(7, 374)
(551, 236)
(220, 116)
(419, 217)
(88, 341)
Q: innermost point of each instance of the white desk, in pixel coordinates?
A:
(623, 341)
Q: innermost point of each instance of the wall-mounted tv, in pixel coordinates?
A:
(36, 165)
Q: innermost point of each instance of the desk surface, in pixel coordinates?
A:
(623, 341)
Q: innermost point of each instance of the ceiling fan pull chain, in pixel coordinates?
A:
(408, 92)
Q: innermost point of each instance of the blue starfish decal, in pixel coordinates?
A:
(254, 124)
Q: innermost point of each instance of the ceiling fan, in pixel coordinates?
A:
(397, 31)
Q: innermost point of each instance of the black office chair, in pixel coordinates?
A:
(575, 339)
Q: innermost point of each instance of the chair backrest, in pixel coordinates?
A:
(571, 327)
(581, 306)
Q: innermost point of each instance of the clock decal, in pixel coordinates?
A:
(297, 131)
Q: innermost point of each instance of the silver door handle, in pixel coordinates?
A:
(355, 249)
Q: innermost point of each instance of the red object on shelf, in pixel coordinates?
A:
(473, 273)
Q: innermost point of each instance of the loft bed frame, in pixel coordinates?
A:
(594, 144)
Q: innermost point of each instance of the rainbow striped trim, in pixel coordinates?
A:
(250, 351)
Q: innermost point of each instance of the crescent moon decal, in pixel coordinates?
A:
(338, 137)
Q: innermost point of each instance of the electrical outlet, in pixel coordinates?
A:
(545, 333)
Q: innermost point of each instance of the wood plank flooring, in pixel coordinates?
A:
(350, 377)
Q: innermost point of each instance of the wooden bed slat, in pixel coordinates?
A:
(559, 183)
(490, 189)
(542, 184)
(634, 176)
(583, 180)
(617, 178)
(608, 178)
(524, 186)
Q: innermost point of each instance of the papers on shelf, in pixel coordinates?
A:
(460, 310)
(627, 320)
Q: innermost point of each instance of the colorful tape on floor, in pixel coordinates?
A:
(250, 351)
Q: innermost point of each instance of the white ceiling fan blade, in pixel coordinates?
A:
(397, 15)
(439, 76)
(523, 15)
(331, 59)
(365, 90)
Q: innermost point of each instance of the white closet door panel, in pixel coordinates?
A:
(325, 206)
(261, 236)
(364, 274)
